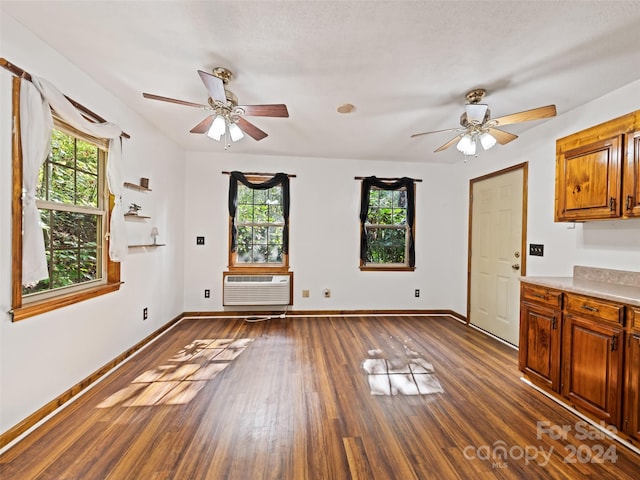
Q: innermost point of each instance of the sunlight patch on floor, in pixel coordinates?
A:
(182, 377)
(400, 376)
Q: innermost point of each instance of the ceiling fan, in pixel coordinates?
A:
(476, 124)
(226, 120)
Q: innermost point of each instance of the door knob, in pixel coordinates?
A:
(516, 254)
(515, 266)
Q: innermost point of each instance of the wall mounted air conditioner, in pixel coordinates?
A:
(256, 290)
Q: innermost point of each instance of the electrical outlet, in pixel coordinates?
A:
(326, 292)
(199, 240)
(417, 292)
(145, 313)
(536, 249)
(305, 293)
(207, 293)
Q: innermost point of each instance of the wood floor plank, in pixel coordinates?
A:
(290, 399)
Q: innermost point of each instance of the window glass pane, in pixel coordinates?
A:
(245, 195)
(63, 148)
(245, 236)
(275, 196)
(275, 235)
(260, 253)
(386, 198)
(276, 215)
(260, 197)
(261, 214)
(88, 264)
(399, 216)
(65, 268)
(64, 229)
(260, 235)
(386, 245)
(244, 214)
(275, 254)
(61, 184)
(86, 189)
(86, 157)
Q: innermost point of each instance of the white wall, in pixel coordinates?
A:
(43, 356)
(324, 232)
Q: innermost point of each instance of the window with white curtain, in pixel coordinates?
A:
(72, 201)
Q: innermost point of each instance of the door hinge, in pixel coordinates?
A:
(554, 323)
(612, 204)
(614, 343)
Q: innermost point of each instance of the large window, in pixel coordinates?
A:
(387, 223)
(66, 195)
(259, 221)
(72, 201)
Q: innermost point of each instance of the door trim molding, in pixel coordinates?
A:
(523, 241)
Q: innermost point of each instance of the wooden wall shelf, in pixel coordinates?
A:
(133, 215)
(136, 187)
(148, 245)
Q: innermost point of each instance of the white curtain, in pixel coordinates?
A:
(33, 253)
(35, 127)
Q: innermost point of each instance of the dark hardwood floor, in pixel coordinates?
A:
(290, 399)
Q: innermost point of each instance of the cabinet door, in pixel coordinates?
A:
(632, 390)
(588, 180)
(631, 177)
(539, 354)
(592, 366)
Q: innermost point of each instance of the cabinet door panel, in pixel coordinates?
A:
(592, 367)
(588, 181)
(540, 344)
(631, 177)
(632, 394)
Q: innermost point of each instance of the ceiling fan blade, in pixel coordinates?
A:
(173, 100)
(275, 110)
(449, 143)
(527, 115)
(501, 136)
(203, 126)
(437, 131)
(214, 86)
(250, 129)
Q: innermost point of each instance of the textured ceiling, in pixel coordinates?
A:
(405, 65)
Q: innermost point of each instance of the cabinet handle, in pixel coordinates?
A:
(539, 295)
(612, 204)
(589, 308)
(614, 343)
(629, 202)
(554, 323)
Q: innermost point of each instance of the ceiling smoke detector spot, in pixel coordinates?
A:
(346, 108)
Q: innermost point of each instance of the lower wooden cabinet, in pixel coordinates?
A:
(586, 351)
(539, 353)
(592, 360)
(631, 420)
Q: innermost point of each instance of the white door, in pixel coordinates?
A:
(496, 240)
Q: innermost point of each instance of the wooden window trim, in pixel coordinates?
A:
(20, 311)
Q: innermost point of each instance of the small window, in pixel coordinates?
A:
(259, 218)
(72, 202)
(387, 224)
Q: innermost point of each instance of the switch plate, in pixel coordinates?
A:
(536, 249)
(199, 240)
(305, 293)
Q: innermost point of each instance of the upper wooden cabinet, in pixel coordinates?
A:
(598, 171)
(631, 176)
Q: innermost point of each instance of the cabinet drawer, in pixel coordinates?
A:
(541, 295)
(592, 307)
(633, 319)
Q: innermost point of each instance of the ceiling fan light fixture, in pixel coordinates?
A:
(487, 140)
(217, 129)
(467, 145)
(475, 112)
(235, 132)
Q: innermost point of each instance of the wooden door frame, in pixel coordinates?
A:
(523, 242)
